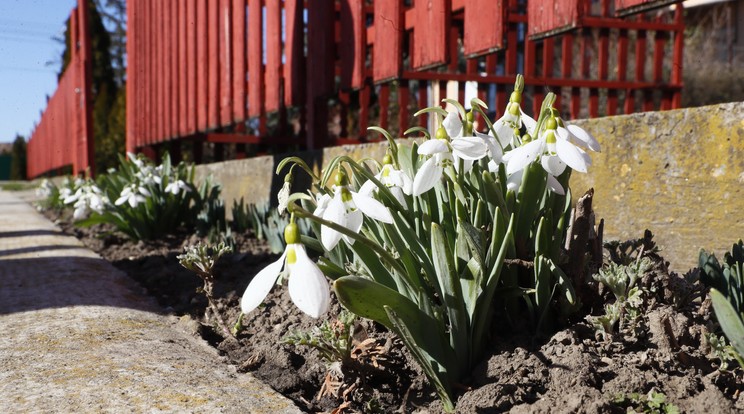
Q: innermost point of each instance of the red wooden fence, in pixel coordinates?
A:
(63, 136)
(281, 72)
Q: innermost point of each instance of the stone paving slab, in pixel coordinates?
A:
(80, 336)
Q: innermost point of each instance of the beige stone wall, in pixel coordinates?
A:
(677, 173)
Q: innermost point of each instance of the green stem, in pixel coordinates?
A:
(384, 254)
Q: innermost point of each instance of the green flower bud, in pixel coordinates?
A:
(514, 108)
(291, 256)
(550, 137)
(441, 133)
(516, 97)
(551, 123)
(387, 159)
(341, 178)
(346, 195)
(292, 233)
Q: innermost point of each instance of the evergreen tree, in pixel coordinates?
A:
(18, 162)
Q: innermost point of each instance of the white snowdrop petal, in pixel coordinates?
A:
(555, 186)
(529, 122)
(336, 213)
(523, 156)
(432, 146)
(514, 181)
(398, 194)
(322, 205)
(426, 177)
(553, 165)
(368, 187)
(585, 137)
(372, 208)
(308, 287)
(467, 165)
(504, 132)
(571, 155)
(452, 124)
(261, 285)
(469, 148)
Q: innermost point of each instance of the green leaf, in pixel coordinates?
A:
(452, 293)
(435, 371)
(730, 320)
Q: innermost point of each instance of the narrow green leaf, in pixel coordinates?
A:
(436, 370)
(730, 320)
(452, 294)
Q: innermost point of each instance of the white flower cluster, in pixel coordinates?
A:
(455, 145)
(88, 197)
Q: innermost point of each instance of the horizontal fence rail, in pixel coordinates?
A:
(63, 136)
(290, 74)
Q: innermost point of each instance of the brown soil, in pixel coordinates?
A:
(575, 370)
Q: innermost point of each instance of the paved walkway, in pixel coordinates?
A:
(77, 335)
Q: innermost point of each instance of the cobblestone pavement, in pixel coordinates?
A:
(79, 336)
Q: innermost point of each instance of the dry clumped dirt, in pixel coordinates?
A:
(576, 369)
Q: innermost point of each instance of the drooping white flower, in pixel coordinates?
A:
(443, 152)
(308, 287)
(87, 198)
(347, 208)
(512, 120)
(398, 182)
(554, 150)
(175, 187)
(133, 194)
(581, 137)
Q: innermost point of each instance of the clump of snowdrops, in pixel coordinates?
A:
(441, 235)
(141, 199)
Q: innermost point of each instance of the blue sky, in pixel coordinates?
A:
(26, 46)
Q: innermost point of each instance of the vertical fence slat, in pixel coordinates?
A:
(484, 20)
(352, 44)
(294, 55)
(238, 56)
(171, 53)
(320, 71)
(225, 42)
(190, 67)
(273, 55)
(255, 56)
(430, 31)
(183, 67)
(202, 68)
(213, 46)
(387, 50)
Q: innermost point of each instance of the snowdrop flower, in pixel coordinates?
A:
(346, 208)
(284, 192)
(444, 152)
(579, 136)
(149, 175)
(308, 287)
(45, 189)
(175, 187)
(507, 127)
(132, 194)
(87, 197)
(555, 152)
(395, 180)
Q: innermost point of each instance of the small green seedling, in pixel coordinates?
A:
(332, 339)
(200, 259)
(621, 280)
(651, 403)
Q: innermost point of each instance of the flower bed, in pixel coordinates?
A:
(475, 281)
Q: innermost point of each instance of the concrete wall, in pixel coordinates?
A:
(677, 173)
